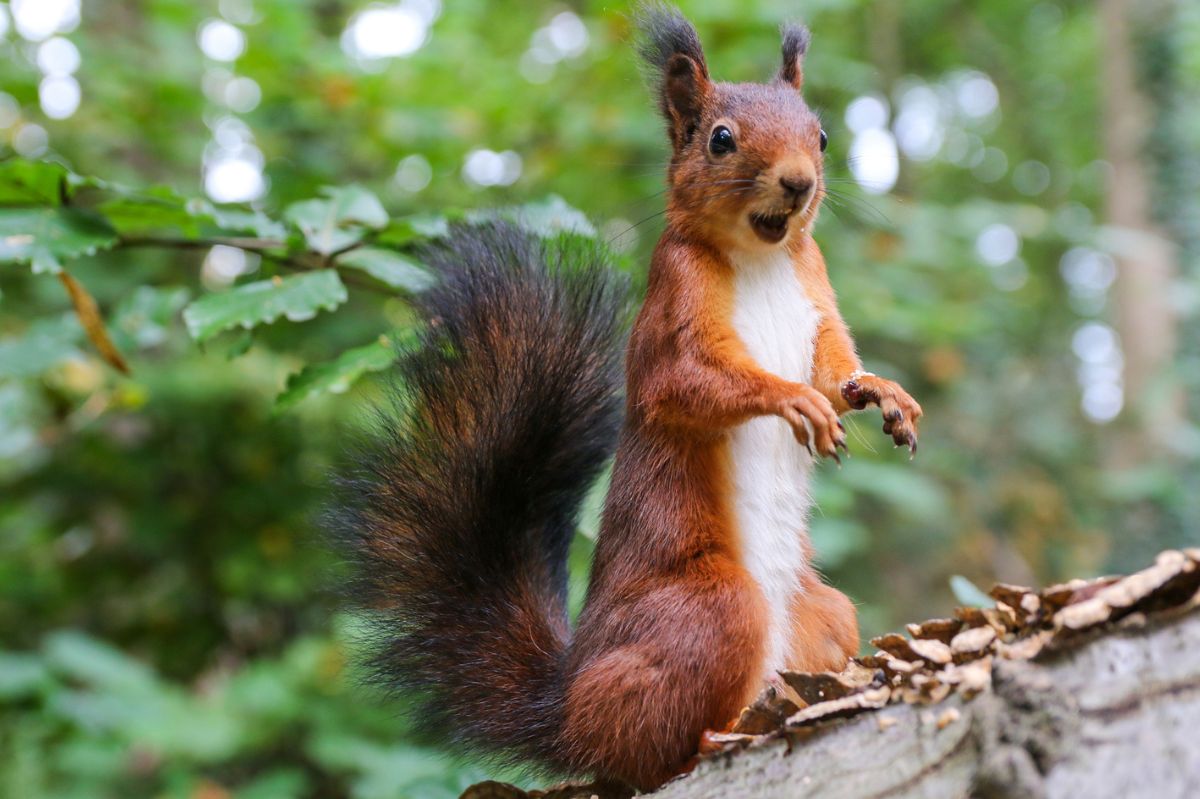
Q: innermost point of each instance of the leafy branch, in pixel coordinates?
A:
(51, 218)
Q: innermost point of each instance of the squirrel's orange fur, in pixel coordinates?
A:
(702, 583)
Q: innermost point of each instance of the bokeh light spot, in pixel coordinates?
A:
(385, 32)
(977, 95)
(221, 41)
(58, 56)
(413, 173)
(37, 20)
(997, 244)
(875, 161)
(59, 96)
(866, 113)
(234, 179)
(31, 140)
(489, 168)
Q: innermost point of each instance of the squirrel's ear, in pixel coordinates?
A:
(671, 49)
(795, 45)
(685, 86)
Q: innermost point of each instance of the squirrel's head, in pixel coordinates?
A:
(747, 158)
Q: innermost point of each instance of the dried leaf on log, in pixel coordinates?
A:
(931, 650)
(766, 714)
(971, 642)
(936, 629)
(846, 706)
(896, 645)
(1011, 595)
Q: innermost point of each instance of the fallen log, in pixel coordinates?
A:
(1089, 688)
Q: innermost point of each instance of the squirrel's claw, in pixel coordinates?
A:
(900, 411)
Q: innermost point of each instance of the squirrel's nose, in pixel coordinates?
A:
(796, 186)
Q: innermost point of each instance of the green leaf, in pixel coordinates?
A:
(298, 298)
(144, 317)
(337, 222)
(339, 374)
(282, 783)
(356, 204)
(94, 662)
(31, 182)
(968, 593)
(156, 209)
(47, 343)
(410, 229)
(389, 267)
(45, 237)
(161, 208)
(256, 223)
(240, 345)
(22, 675)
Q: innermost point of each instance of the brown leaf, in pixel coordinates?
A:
(1082, 615)
(824, 686)
(735, 740)
(493, 790)
(568, 790)
(900, 666)
(1007, 615)
(969, 678)
(931, 650)
(1011, 595)
(889, 665)
(93, 323)
(896, 645)
(972, 642)
(1091, 587)
(1172, 579)
(588, 790)
(766, 714)
(937, 629)
(1055, 597)
(971, 617)
(851, 705)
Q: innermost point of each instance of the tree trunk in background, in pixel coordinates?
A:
(1145, 319)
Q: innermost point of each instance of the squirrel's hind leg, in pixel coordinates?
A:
(637, 711)
(824, 625)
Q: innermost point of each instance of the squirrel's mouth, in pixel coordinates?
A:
(771, 228)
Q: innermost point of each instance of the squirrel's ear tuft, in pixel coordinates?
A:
(663, 32)
(671, 49)
(795, 45)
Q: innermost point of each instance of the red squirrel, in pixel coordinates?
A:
(737, 368)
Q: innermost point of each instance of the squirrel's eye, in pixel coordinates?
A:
(824, 141)
(721, 141)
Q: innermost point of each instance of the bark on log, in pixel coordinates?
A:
(1115, 716)
(1085, 689)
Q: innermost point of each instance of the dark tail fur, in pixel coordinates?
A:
(459, 520)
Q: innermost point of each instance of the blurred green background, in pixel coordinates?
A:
(1015, 237)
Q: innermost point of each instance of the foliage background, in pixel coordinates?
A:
(168, 621)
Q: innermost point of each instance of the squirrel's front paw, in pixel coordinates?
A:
(814, 422)
(900, 411)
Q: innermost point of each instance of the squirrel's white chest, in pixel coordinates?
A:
(777, 323)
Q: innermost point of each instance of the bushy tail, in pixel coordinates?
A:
(459, 520)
